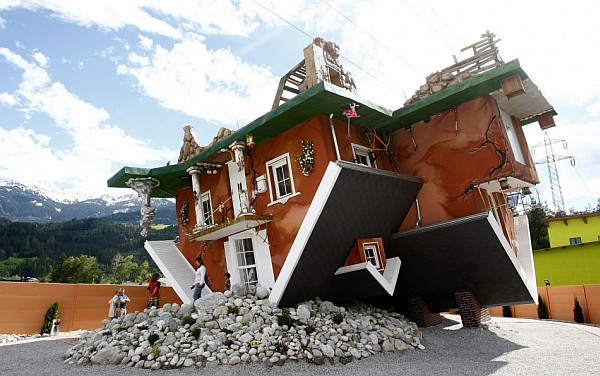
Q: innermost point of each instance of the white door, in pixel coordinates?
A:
(249, 258)
(239, 188)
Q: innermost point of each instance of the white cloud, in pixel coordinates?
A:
(145, 42)
(8, 99)
(212, 85)
(172, 19)
(98, 148)
(2, 23)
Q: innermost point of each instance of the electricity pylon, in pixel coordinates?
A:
(551, 159)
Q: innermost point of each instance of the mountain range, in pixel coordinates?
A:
(30, 203)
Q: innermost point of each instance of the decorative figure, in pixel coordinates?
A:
(307, 158)
(144, 187)
(238, 152)
(350, 113)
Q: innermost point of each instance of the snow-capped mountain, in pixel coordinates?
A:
(32, 203)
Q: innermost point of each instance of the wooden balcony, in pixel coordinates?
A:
(230, 227)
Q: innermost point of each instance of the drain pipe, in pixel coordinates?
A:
(418, 224)
(337, 149)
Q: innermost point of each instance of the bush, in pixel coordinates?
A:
(506, 312)
(152, 338)
(233, 309)
(51, 315)
(188, 320)
(542, 310)
(285, 318)
(578, 312)
(338, 317)
(196, 333)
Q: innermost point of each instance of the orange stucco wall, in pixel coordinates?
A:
(450, 161)
(560, 303)
(455, 151)
(80, 306)
(287, 217)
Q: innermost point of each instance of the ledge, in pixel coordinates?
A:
(231, 227)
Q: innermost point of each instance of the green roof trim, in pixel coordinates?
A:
(325, 99)
(474, 87)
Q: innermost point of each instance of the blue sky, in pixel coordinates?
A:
(87, 87)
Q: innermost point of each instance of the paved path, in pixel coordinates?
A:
(508, 347)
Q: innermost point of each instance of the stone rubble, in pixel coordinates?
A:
(239, 327)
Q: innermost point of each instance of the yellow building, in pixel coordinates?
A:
(574, 256)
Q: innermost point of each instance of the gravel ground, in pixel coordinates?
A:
(507, 347)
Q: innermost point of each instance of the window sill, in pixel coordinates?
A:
(283, 200)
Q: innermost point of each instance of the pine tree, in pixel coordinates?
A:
(578, 312)
(542, 310)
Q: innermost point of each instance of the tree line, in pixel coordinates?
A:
(88, 250)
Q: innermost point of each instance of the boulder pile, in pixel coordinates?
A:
(241, 326)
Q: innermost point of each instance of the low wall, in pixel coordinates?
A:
(80, 306)
(560, 303)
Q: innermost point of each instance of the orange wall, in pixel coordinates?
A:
(560, 303)
(455, 151)
(80, 306)
(287, 217)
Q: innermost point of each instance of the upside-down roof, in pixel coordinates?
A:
(325, 99)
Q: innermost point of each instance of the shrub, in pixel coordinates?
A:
(338, 317)
(285, 318)
(188, 320)
(196, 333)
(506, 312)
(156, 351)
(578, 312)
(542, 310)
(51, 315)
(233, 309)
(152, 338)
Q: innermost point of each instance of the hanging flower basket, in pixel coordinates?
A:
(307, 158)
(184, 213)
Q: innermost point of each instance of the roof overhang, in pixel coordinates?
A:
(322, 99)
(352, 202)
(469, 253)
(526, 106)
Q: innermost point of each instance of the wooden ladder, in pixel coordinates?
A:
(290, 83)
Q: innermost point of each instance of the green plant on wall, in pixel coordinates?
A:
(51, 315)
(578, 312)
(542, 310)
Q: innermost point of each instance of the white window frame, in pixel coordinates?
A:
(575, 240)
(262, 258)
(513, 138)
(208, 215)
(374, 248)
(363, 151)
(276, 196)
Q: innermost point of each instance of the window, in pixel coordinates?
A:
(361, 155)
(207, 208)
(248, 258)
(574, 241)
(246, 263)
(372, 254)
(513, 138)
(280, 177)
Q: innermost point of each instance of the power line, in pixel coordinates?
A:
(444, 22)
(373, 38)
(283, 19)
(428, 24)
(312, 38)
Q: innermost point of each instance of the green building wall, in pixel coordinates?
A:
(586, 227)
(568, 265)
